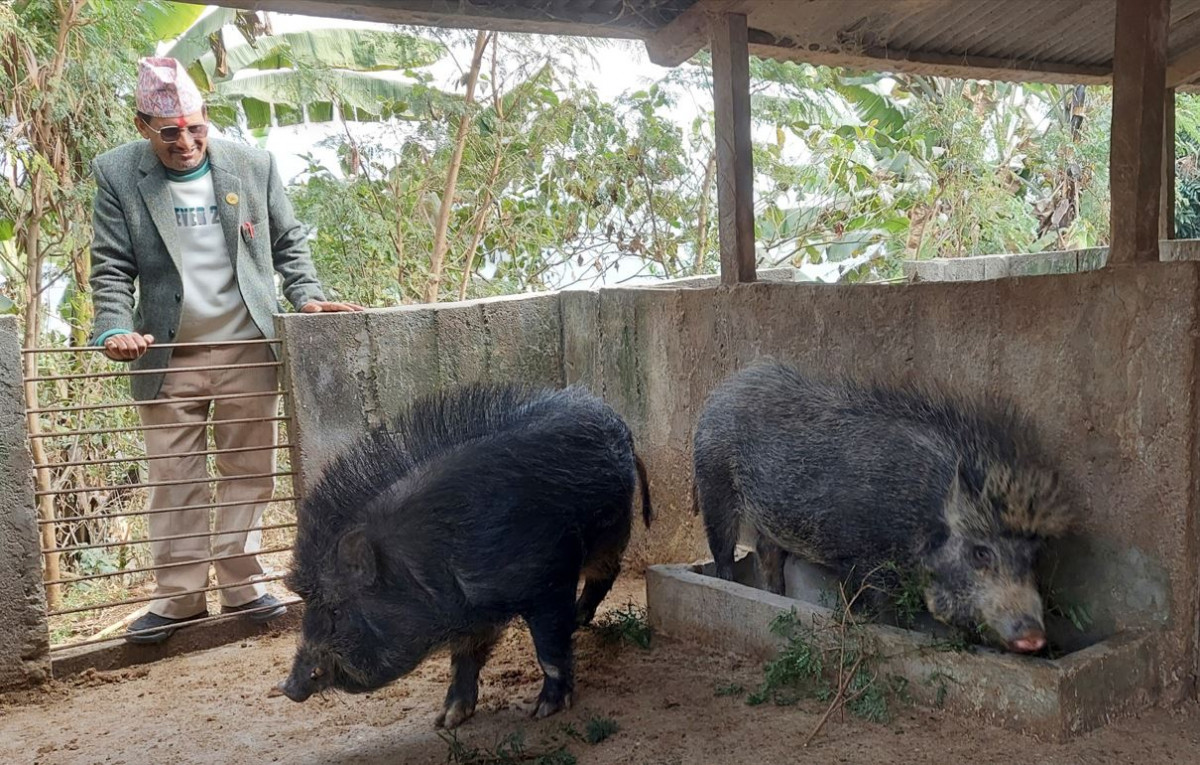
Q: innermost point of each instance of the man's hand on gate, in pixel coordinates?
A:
(127, 347)
(322, 306)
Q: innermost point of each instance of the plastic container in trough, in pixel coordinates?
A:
(1057, 698)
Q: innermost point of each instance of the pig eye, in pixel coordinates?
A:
(981, 556)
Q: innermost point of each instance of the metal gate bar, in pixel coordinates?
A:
(156, 511)
(82, 527)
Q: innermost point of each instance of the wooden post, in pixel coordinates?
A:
(1166, 210)
(1139, 101)
(735, 161)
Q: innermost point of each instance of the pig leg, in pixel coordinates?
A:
(770, 563)
(551, 629)
(599, 575)
(720, 509)
(467, 657)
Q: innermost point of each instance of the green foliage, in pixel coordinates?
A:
(596, 729)
(553, 178)
(1058, 603)
(909, 167)
(958, 642)
(167, 20)
(196, 40)
(799, 669)
(348, 49)
(1187, 166)
(864, 171)
(1078, 614)
(599, 728)
(818, 659)
(311, 75)
(510, 750)
(625, 625)
(905, 589)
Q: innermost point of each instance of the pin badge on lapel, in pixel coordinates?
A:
(247, 231)
(231, 198)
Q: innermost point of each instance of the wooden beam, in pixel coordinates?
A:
(878, 59)
(1139, 105)
(1184, 68)
(1166, 210)
(735, 160)
(440, 13)
(689, 31)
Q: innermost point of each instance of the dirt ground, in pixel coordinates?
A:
(213, 707)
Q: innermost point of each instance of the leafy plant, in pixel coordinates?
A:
(833, 661)
(596, 729)
(625, 625)
(510, 750)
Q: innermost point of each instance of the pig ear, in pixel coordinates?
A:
(356, 557)
(955, 501)
(963, 513)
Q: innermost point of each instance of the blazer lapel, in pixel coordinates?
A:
(157, 196)
(228, 189)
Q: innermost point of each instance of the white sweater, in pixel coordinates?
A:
(213, 308)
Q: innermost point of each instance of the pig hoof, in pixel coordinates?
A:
(547, 707)
(454, 715)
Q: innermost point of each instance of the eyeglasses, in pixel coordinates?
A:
(172, 133)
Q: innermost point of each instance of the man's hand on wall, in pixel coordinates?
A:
(321, 306)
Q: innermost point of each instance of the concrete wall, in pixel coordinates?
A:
(347, 372)
(24, 639)
(1104, 362)
(982, 267)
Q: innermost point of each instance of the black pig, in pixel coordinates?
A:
(856, 477)
(474, 507)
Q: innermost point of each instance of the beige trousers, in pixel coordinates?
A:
(229, 535)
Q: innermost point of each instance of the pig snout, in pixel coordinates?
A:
(1022, 634)
(302, 683)
(1014, 613)
(1031, 642)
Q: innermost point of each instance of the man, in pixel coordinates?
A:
(202, 226)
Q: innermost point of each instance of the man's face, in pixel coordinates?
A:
(184, 153)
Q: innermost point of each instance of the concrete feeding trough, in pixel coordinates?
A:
(1055, 698)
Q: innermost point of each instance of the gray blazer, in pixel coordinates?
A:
(134, 222)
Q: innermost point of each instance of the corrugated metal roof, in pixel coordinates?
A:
(1056, 40)
(600, 18)
(1067, 39)
(644, 14)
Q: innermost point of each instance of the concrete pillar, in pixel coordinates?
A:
(24, 635)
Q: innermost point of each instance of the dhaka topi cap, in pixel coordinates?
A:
(164, 88)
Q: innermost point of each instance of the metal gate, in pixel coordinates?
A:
(92, 491)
